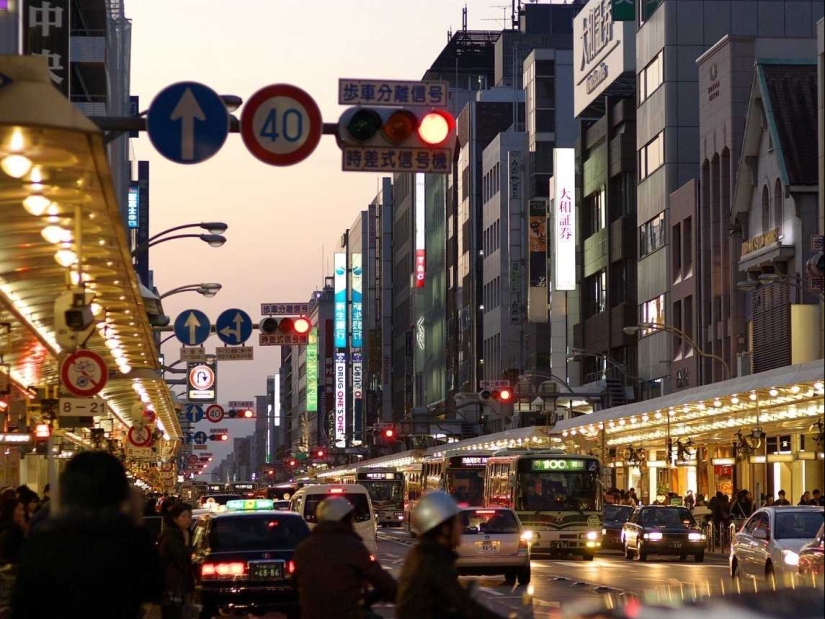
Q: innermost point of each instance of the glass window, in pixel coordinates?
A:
(466, 485)
(617, 513)
(489, 521)
(797, 525)
(359, 501)
(545, 121)
(545, 67)
(652, 156)
(651, 77)
(546, 93)
(652, 311)
(262, 532)
(652, 235)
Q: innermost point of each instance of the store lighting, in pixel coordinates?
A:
(36, 204)
(56, 234)
(795, 389)
(65, 257)
(818, 386)
(16, 166)
(773, 392)
(753, 396)
(734, 400)
(717, 403)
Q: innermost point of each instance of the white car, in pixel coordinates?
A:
(494, 542)
(768, 544)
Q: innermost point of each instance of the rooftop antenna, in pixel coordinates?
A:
(464, 18)
(503, 20)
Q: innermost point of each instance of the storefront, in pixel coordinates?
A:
(762, 432)
(64, 258)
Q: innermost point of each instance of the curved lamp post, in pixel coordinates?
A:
(658, 326)
(208, 290)
(621, 367)
(766, 279)
(212, 227)
(214, 240)
(549, 375)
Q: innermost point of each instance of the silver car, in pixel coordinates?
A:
(494, 542)
(768, 544)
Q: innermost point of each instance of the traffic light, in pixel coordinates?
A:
(320, 454)
(389, 433)
(42, 432)
(504, 395)
(286, 326)
(410, 127)
(219, 437)
(240, 414)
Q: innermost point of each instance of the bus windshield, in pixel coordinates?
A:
(466, 486)
(559, 490)
(385, 490)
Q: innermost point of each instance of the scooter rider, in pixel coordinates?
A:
(332, 566)
(428, 587)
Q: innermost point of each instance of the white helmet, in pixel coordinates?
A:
(433, 509)
(333, 509)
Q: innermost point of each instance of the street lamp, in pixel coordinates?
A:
(621, 367)
(212, 227)
(766, 279)
(550, 375)
(208, 290)
(658, 326)
(213, 240)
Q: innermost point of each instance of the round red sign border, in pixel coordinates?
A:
(97, 359)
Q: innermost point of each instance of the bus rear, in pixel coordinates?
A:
(386, 490)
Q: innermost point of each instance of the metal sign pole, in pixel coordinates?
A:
(54, 486)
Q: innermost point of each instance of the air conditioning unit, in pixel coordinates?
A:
(744, 361)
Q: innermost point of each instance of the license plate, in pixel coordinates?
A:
(674, 545)
(488, 546)
(266, 570)
(558, 544)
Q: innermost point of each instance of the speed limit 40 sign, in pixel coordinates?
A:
(281, 124)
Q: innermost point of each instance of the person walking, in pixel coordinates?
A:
(89, 559)
(332, 566)
(175, 550)
(428, 587)
(781, 500)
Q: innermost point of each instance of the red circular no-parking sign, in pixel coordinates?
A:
(281, 124)
(214, 413)
(139, 437)
(84, 373)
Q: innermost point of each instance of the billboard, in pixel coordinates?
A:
(564, 199)
(340, 399)
(420, 231)
(357, 396)
(312, 371)
(603, 49)
(340, 283)
(133, 206)
(357, 337)
(46, 28)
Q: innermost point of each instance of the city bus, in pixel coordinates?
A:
(557, 496)
(386, 490)
(242, 488)
(461, 474)
(412, 490)
(191, 491)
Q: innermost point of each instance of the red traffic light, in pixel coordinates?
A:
(302, 325)
(389, 433)
(435, 127)
(320, 453)
(292, 463)
(224, 437)
(505, 395)
(247, 414)
(42, 430)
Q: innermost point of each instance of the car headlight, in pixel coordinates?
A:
(592, 535)
(655, 536)
(790, 557)
(695, 537)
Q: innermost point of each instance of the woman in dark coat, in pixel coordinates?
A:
(175, 549)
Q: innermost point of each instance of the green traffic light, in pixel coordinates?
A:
(364, 124)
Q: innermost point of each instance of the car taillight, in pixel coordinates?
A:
(223, 570)
(290, 567)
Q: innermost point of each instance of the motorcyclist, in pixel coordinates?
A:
(428, 587)
(332, 567)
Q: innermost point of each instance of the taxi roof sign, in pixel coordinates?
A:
(250, 504)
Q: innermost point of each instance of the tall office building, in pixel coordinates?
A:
(671, 36)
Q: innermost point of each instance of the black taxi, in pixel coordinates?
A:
(662, 530)
(242, 558)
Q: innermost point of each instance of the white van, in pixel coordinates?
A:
(306, 500)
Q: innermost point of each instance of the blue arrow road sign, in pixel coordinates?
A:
(200, 438)
(192, 327)
(234, 327)
(187, 122)
(194, 413)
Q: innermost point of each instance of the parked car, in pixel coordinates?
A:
(811, 556)
(768, 544)
(494, 542)
(613, 518)
(662, 530)
(242, 558)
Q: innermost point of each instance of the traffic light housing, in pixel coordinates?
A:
(300, 325)
(240, 414)
(223, 437)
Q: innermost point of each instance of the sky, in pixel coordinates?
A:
(284, 222)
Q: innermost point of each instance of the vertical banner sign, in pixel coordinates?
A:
(133, 206)
(142, 259)
(340, 399)
(408, 371)
(356, 286)
(515, 242)
(340, 300)
(357, 396)
(420, 231)
(537, 243)
(312, 371)
(46, 26)
(564, 171)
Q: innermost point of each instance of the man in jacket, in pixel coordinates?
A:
(428, 587)
(332, 567)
